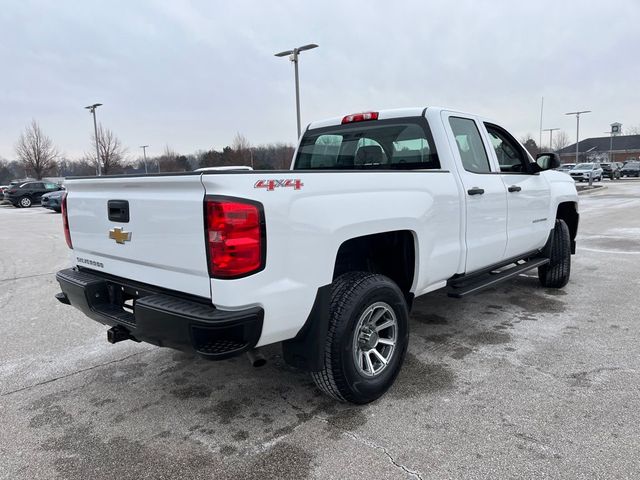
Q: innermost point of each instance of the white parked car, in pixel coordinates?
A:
(327, 257)
(582, 171)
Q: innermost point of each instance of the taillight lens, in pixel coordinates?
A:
(235, 237)
(360, 117)
(65, 220)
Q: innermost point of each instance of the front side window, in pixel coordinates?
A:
(472, 153)
(394, 144)
(511, 158)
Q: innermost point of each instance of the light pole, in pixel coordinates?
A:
(293, 56)
(92, 109)
(577, 114)
(550, 130)
(144, 154)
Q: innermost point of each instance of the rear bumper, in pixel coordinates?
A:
(161, 317)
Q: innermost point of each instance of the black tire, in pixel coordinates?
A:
(352, 294)
(25, 202)
(556, 273)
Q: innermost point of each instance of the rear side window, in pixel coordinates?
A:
(472, 153)
(398, 144)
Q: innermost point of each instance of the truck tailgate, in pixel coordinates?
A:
(161, 244)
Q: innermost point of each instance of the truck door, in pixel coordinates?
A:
(528, 194)
(484, 192)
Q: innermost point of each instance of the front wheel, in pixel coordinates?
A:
(367, 338)
(555, 274)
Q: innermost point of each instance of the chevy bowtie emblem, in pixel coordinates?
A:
(119, 235)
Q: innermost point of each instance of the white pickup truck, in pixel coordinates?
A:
(327, 257)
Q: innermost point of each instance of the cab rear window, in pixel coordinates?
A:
(398, 144)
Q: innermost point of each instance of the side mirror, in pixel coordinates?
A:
(548, 161)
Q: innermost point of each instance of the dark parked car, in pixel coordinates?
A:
(53, 200)
(611, 170)
(26, 194)
(631, 169)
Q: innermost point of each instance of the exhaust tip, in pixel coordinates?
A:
(260, 362)
(62, 298)
(256, 358)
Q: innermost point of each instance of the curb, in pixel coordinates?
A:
(588, 190)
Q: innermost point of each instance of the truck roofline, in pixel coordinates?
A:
(387, 114)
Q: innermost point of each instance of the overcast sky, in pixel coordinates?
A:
(192, 74)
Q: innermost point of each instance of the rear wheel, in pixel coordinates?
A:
(556, 273)
(25, 202)
(367, 338)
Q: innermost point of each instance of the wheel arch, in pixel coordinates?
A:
(391, 253)
(568, 212)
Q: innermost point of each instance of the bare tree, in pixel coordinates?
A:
(633, 130)
(167, 161)
(530, 144)
(241, 149)
(240, 143)
(36, 151)
(560, 140)
(110, 150)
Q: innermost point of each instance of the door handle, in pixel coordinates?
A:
(514, 188)
(475, 191)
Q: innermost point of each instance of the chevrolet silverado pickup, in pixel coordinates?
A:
(327, 257)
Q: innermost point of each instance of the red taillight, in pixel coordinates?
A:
(235, 237)
(65, 220)
(360, 117)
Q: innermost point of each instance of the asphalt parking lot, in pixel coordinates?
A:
(518, 382)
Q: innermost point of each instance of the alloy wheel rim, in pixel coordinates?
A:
(25, 202)
(375, 339)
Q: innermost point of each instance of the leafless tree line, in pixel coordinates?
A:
(37, 157)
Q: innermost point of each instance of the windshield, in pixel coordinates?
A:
(584, 166)
(398, 144)
(632, 165)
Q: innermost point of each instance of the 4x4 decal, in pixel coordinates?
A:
(271, 185)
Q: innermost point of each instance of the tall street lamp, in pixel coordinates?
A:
(577, 114)
(92, 109)
(293, 56)
(144, 154)
(550, 130)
